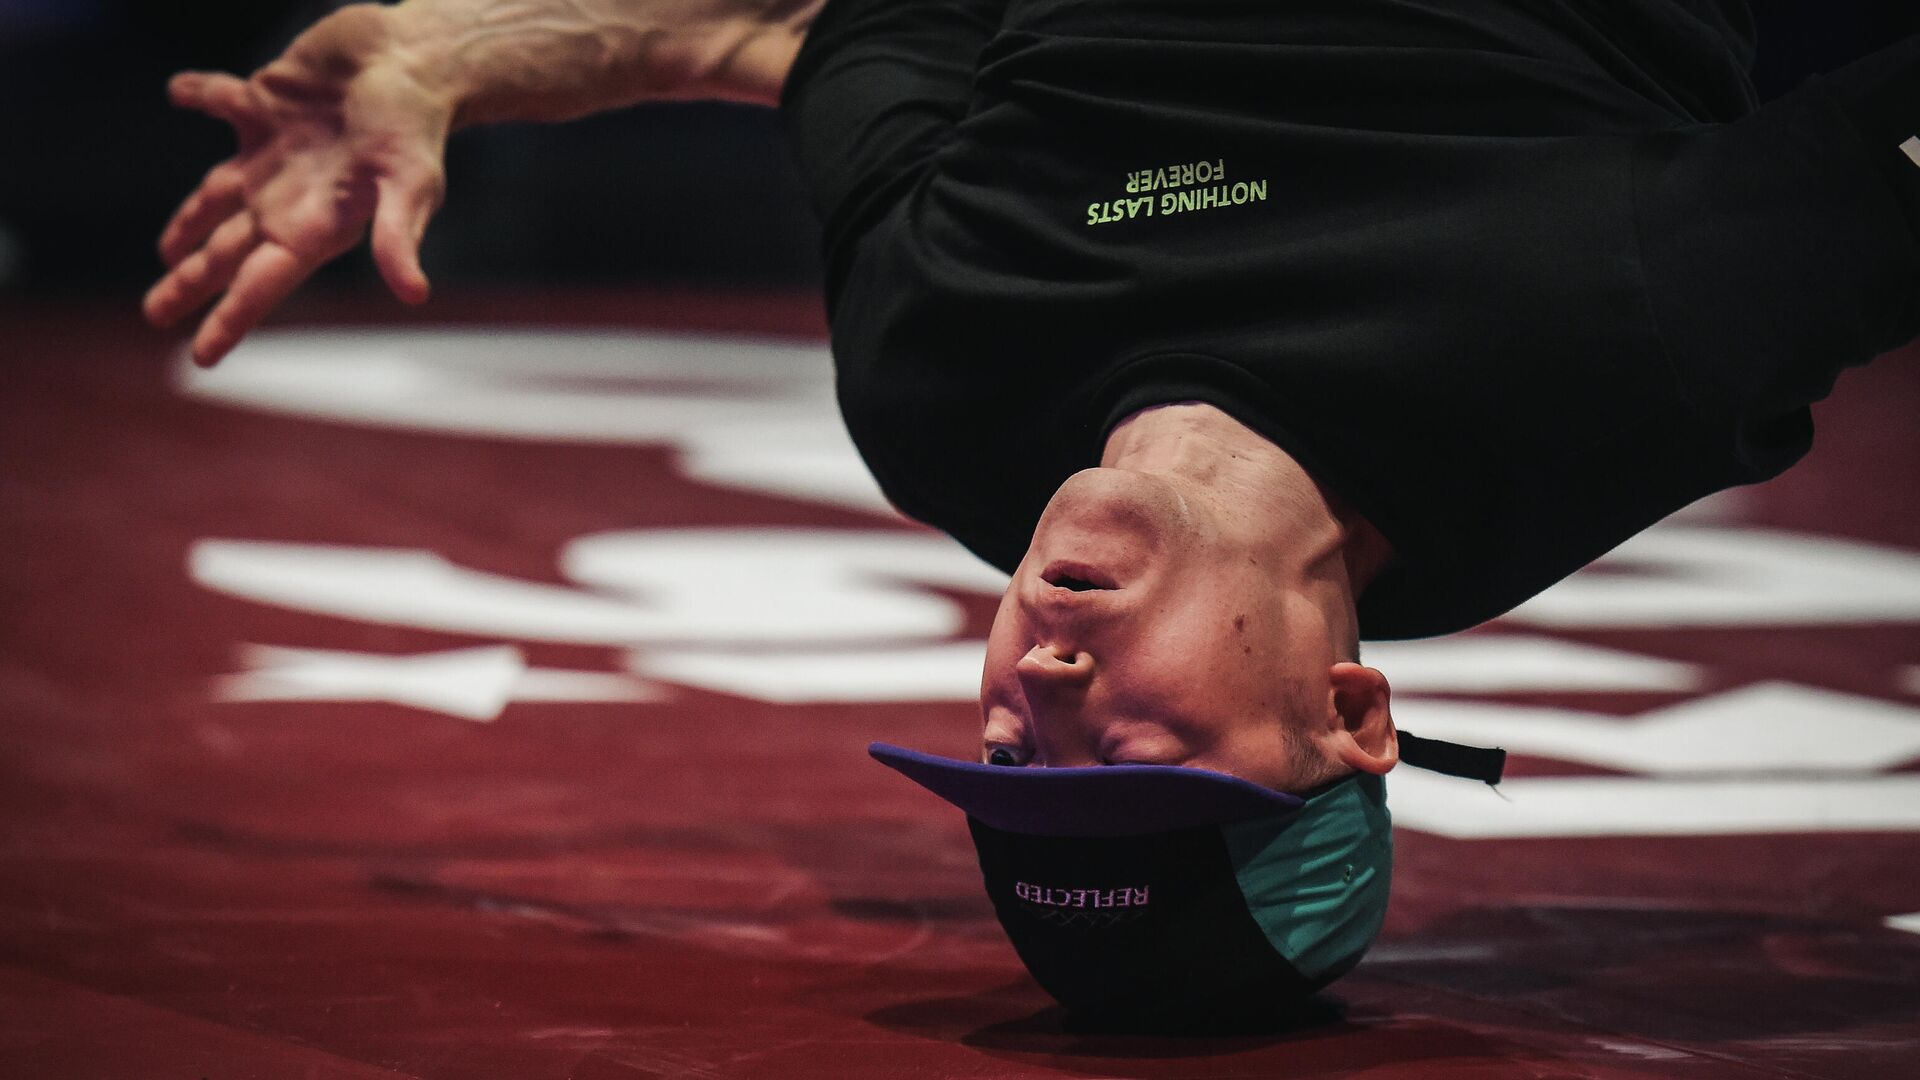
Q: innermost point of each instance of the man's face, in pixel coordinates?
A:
(1142, 628)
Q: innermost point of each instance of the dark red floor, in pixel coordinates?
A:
(709, 885)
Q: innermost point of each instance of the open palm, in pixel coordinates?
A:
(333, 135)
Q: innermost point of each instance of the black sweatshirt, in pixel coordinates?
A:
(1513, 279)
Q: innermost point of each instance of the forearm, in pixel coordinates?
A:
(560, 59)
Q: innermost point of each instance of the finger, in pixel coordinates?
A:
(201, 276)
(218, 198)
(222, 96)
(264, 279)
(399, 221)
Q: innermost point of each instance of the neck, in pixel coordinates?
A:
(1256, 490)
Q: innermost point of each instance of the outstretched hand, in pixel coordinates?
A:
(334, 134)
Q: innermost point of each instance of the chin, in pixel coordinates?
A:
(1115, 520)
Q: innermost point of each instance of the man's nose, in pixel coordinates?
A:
(1055, 680)
(1048, 668)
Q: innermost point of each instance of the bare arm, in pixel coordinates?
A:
(560, 59)
(348, 127)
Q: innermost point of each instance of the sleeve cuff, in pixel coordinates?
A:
(1881, 95)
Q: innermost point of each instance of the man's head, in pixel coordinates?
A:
(1201, 826)
(1168, 617)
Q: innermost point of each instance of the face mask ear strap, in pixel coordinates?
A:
(1453, 759)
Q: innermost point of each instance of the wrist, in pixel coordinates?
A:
(711, 65)
(557, 60)
(490, 60)
(750, 58)
(421, 43)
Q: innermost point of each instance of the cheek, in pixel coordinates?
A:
(1224, 656)
(1004, 647)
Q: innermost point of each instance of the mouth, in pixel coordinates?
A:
(1077, 577)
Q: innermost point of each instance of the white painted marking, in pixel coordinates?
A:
(1909, 923)
(1565, 806)
(1912, 149)
(469, 683)
(1695, 576)
(558, 685)
(808, 457)
(1764, 728)
(818, 581)
(751, 414)
(724, 586)
(473, 684)
(401, 587)
(1505, 663)
(947, 672)
(548, 385)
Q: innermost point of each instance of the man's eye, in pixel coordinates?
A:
(1004, 755)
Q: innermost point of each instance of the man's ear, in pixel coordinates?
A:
(1363, 733)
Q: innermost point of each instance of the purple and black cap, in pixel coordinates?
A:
(1176, 893)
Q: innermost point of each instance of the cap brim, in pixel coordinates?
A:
(1100, 800)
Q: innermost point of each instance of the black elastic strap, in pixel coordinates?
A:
(1469, 762)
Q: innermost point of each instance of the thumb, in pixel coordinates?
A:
(406, 202)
